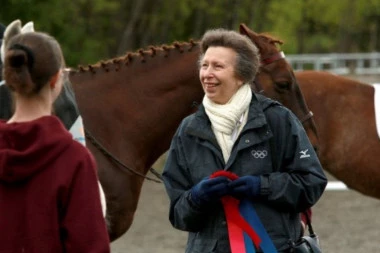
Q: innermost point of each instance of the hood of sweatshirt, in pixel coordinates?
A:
(27, 148)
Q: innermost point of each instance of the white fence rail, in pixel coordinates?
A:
(338, 63)
(336, 186)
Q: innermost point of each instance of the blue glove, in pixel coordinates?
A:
(245, 187)
(209, 190)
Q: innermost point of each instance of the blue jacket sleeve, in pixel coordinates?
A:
(298, 180)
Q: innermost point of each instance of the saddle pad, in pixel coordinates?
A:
(77, 131)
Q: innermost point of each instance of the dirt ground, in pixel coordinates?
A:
(346, 222)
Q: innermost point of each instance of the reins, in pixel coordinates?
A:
(259, 88)
(114, 159)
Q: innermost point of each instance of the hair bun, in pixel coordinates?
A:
(27, 54)
(17, 59)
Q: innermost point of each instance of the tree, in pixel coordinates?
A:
(92, 30)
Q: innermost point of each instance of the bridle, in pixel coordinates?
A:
(259, 88)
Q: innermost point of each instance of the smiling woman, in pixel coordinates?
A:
(210, 167)
(216, 71)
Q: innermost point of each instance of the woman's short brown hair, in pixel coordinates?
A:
(248, 57)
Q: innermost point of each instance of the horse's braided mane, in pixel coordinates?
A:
(140, 55)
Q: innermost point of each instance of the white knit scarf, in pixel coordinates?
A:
(227, 120)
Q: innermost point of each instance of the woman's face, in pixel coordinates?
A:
(217, 74)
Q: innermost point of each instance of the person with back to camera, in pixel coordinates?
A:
(48, 181)
(241, 169)
(64, 107)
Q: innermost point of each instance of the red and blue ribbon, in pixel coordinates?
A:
(245, 230)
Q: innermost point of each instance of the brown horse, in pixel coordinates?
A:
(132, 105)
(349, 146)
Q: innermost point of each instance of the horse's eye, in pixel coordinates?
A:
(283, 85)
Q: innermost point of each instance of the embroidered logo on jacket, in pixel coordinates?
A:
(303, 154)
(260, 154)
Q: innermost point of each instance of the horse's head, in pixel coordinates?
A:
(12, 30)
(276, 80)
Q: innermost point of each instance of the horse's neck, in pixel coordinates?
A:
(138, 107)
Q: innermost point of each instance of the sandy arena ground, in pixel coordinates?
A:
(345, 221)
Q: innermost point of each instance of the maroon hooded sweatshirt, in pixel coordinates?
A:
(49, 195)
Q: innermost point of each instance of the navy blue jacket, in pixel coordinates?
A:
(272, 134)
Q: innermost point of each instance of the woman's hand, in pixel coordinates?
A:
(209, 190)
(245, 187)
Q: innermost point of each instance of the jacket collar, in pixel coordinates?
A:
(200, 126)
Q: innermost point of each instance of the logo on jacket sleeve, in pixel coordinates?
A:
(259, 154)
(304, 154)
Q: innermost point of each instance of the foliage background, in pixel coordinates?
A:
(92, 30)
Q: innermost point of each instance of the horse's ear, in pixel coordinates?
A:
(28, 27)
(254, 37)
(243, 29)
(12, 30)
